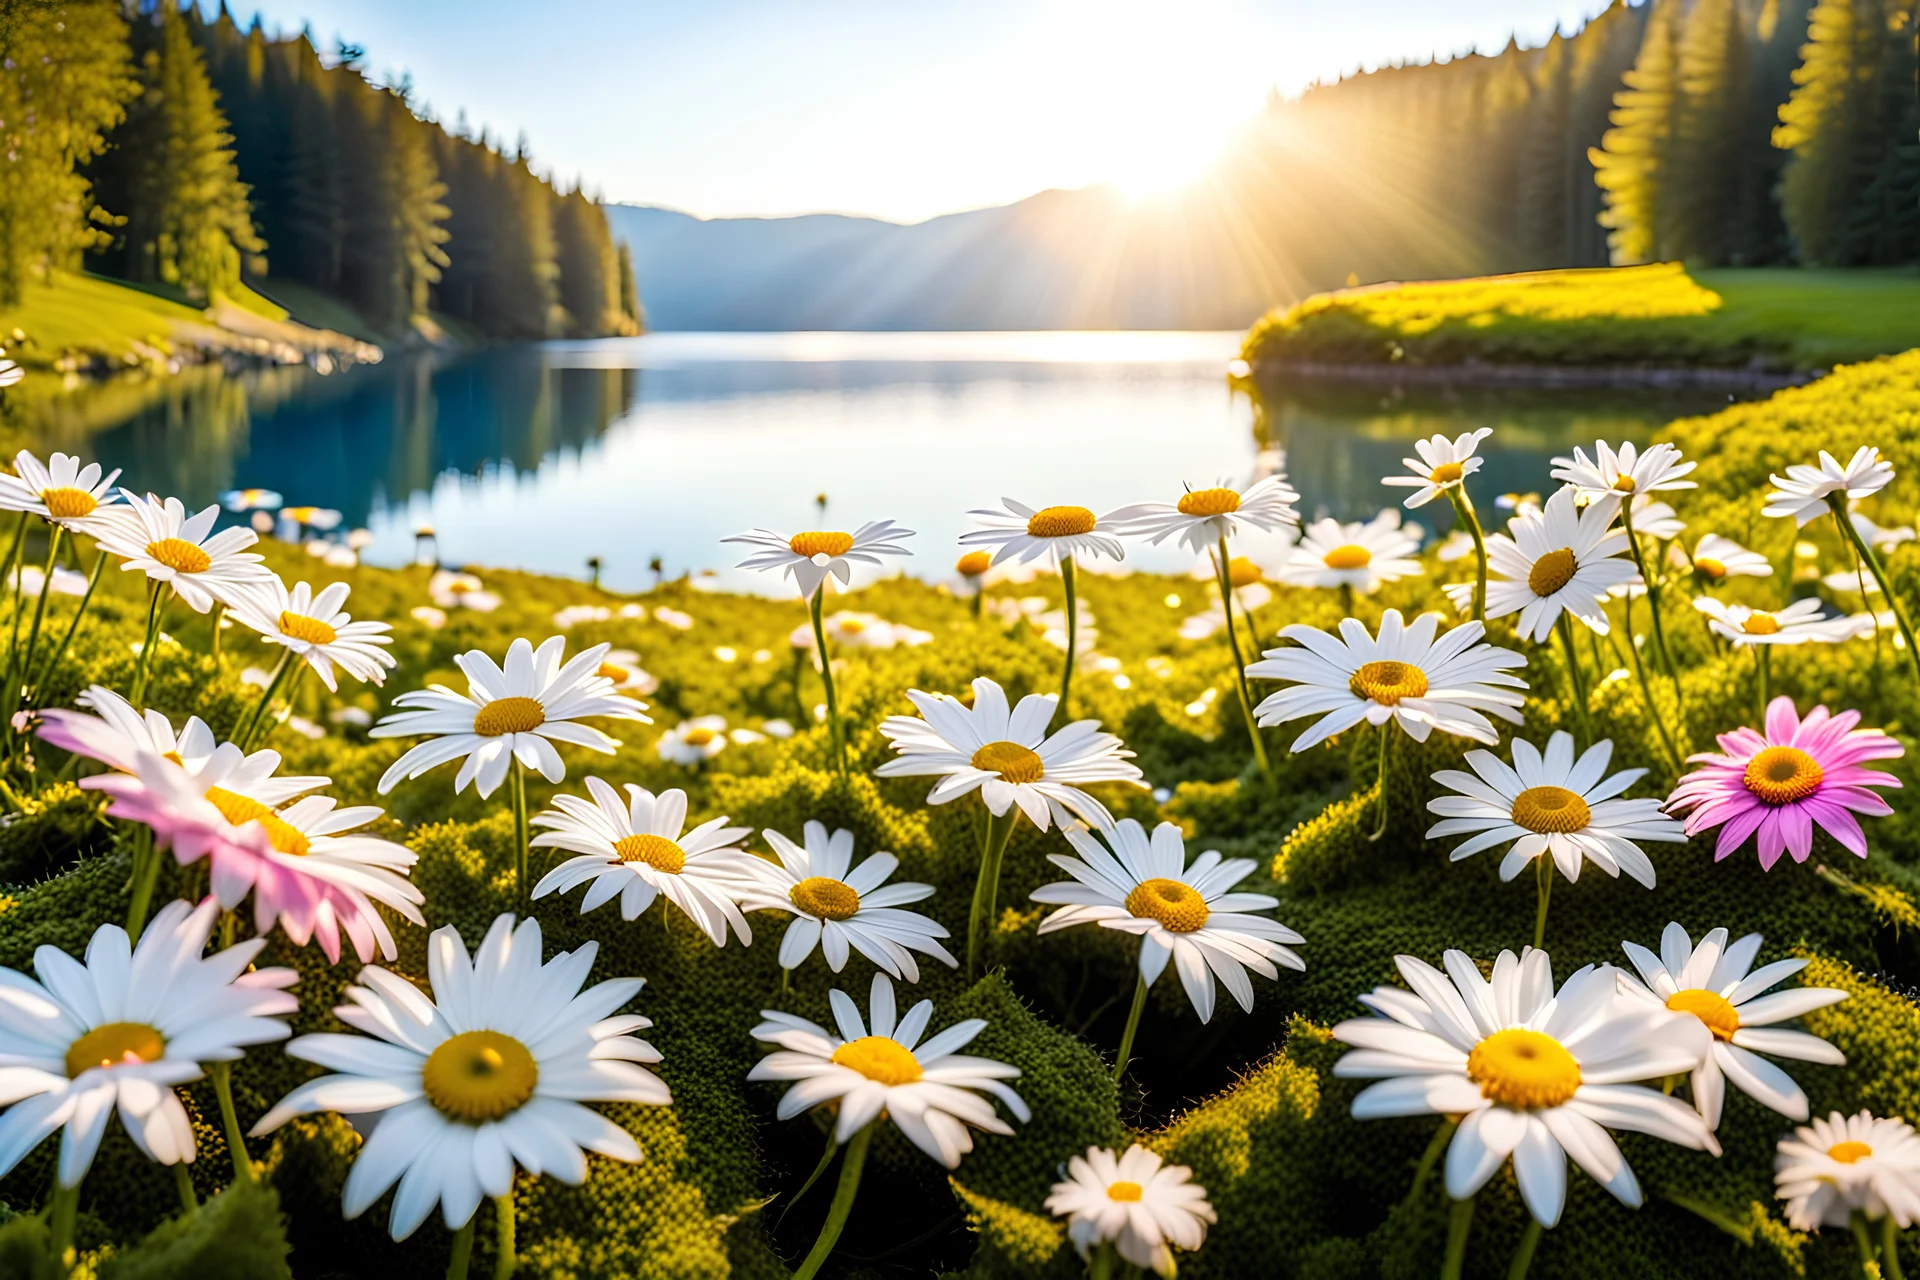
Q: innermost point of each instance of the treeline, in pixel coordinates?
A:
(1721, 132)
(199, 155)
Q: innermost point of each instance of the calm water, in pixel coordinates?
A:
(538, 457)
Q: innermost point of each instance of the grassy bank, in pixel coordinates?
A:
(1657, 316)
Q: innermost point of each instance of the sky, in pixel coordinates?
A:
(901, 109)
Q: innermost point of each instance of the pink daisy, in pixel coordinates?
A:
(305, 865)
(1781, 783)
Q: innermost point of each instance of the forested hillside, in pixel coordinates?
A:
(197, 157)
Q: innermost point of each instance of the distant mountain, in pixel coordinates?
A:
(1087, 259)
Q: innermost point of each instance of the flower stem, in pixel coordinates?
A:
(1459, 1222)
(1763, 661)
(146, 870)
(156, 606)
(1431, 1157)
(979, 595)
(1133, 1025)
(62, 1209)
(1543, 884)
(39, 611)
(13, 554)
(1380, 802)
(248, 727)
(826, 1158)
(1224, 575)
(1463, 507)
(986, 888)
(16, 585)
(518, 793)
(462, 1250)
(1838, 501)
(1653, 607)
(1523, 1255)
(222, 1074)
(93, 580)
(183, 1183)
(1575, 676)
(842, 1205)
(1070, 585)
(1890, 1249)
(1863, 1242)
(1646, 693)
(219, 612)
(504, 1260)
(814, 607)
(1100, 1266)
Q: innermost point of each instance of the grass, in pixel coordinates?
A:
(85, 313)
(1657, 315)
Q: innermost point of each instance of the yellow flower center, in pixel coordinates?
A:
(180, 555)
(1552, 571)
(973, 564)
(1242, 572)
(509, 715)
(825, 897)
(1178, 907)
(1013, 762)
(112, 1043)
(851, 626)
(1388, 682)
(1624, 483)
(1551, 809)
(1715, 1010)
(1760, 624)
(1849, 1152)
(699, 736)
(1059, 522)
(657, 852)
(68, 504)
(1351, 556)
(880, 1059)
(1446, 473)
(613, 671)
(479, 1075)
(1209, 502)
(1707, 566)
(1123, 1191)
(1782, 775)
(300, 627)
(820, 544)
(1524, 1069)
(240, 810)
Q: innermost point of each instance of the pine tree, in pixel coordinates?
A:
(1546, 194)
(1630, 164)
(1604, 52)
(590, 283)
(629, 292)
(1701, 218)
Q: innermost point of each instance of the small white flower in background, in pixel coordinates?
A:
(1187, 914)
(1830, 1169)
(1884, 621)
(808, 558)
(622, 666)
(1007, 754)
(162, 541)
(318, 631)
(1535, 1075)
(428, 616)
(777, 728)
(1560, 559)
(842, 908)
(1611, 472)
(251, 500)
(29, 579)
(258, 677)
(1655, 519)
(60, 490)
(519, 711)
(449, 589)
(319, 548)
(1361, 556)
(356, 717)
(1133, 1202)
(1441, 466)
(297, 518)
(725, 653)
(359, 539)
(673, 618)
(1878, 537)
(1202, 517)
(489, 1072)
(693, 741)
(1798, 623)
(1717, 984)
(1716, 558)
(631, 610)
(870, 631)
(261, 522)
(635, 849)
(1408, 675)
(1552, 804)
(705, 580)
(1457, 546)
(1520, 504)
(881, 1068)
(575, 614)
(1021, 534)
(1858, 581)
(10, 373)
(1802, 492)
(306, 728)
(123, 1030)
(478, 601)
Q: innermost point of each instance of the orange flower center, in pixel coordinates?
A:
(1524, 1069)
(1849, 1152)
(973, 564)
(1446, 473)
(240, 810)
(1551, 809)
(1711, 1008)
(1059, 522)
(1351, 556)
(1388, 682)
(180, 555)
(509, 715)
(613, 671)
(1709, 567)
(1013, 762)
(825, 897)
(300, 627)
(1760, 624)
(657, 852)
(478, 1076)
(1552, 571)
(112, 1043)
(820, 544)
(1209, 502)
(1783, 775)
(1178, 907)
(68, 504)
(880, 1059)
(1242, 572)
(1624, 483)
(1124, 1192)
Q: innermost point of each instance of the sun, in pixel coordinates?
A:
(1160, 162)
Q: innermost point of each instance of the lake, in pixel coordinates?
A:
(540, 456)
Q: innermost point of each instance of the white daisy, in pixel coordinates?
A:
(1717, 984)
(121, 1031)
(1612, 473)
(77, 498)
(1133, 1202)
(1803, 492)
(808, 558)
(31, 580)
(1441, 466)
(636, 850)
(1655, 519)
(1716, 558)
(1830, 1169)
(930, 1091)
(519, 711)
(162, 541)
(488, 1074)
(1879, 537)
(1020, 533)
(1557, 559)
(839, 906)
(1203, 517)
(317, 631)
(1405, 675)
(1532, 1074)
(1457, 546)
(1798, 623)
(622, 666)
(694, 741)
(10, 373)
(1360, 556)
(1552, 804)
(1007, 755)
(1188, 914)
